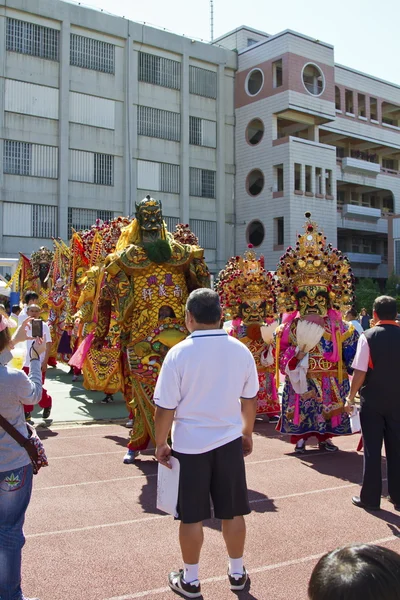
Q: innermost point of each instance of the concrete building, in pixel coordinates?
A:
(239, 137)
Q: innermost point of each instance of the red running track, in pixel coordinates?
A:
(93, 532)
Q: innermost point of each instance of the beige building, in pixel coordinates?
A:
(238, 138)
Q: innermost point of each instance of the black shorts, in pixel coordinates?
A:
(219, 474)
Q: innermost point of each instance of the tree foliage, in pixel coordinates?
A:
(366, 292)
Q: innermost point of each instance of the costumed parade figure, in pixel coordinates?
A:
(314, 347)
(61, 349)
(148, 280)
(247, 295)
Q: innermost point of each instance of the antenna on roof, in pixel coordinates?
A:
(212, 19)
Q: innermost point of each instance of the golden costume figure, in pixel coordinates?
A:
(149, 279)
(247, 295)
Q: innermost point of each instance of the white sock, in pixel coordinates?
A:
(191, 573)
(236, 566)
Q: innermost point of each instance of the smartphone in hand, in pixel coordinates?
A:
(37, 328)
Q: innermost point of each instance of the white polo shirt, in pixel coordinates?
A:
(203, 379)
(46, 339)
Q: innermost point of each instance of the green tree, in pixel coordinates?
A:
(366, 292)
(392, 287)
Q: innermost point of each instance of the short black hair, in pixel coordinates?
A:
(356, 572)
(203, 304)
(30, 295)
(15, 308)
(352, 312)
(386, 308)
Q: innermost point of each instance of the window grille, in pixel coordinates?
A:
(202, 82)
(171, 222)
(36, 40)
(206, 231)
(195, 136)
(104, 169)
(83, 218)
(159, 70)
(202, 183)
(44, 221)
(92, 54)
(169, 178)
(17, 158)
(158, 123)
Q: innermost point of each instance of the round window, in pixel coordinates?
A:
(254, 82)
(255, 182)
(255, 131)
(313, 79)
(255, 233)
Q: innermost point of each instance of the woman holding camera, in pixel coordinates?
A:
(16, 389)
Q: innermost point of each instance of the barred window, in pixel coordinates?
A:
(159, 70)
(202, 183)
(202, 82)
(92, 54)
(169, 178)
(17, 158)
(206, 231)
(44, 221)
(171, 222)
(36, 40)
(158, 123)
(83, 218)
(104, 169)
(195, 131)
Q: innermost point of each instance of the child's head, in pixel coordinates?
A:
(357, 572)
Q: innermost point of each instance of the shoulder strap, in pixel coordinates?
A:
(19, 438)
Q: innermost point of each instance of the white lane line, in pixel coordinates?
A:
(155, 517)
(262, 569)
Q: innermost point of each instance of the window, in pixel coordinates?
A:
(354, 198)
(279, 231)
(159, 71)
(255, 233)
(202, 132)
(35, 40)
(202, 82)
(373, 109)
(251, 42)
(255, 132)
(297, 177)
(160, 177)
(361, 105)
(91, 110)
(277, 74)
(254, 82)
(318, 180)
(171, 222)
(202, 183)
(104, 169)
(44, 221)
(338, 101)
(158, 123)
(22, 158)
(389, 163)
(309, 188)
(313, 80)
(341, 197)
(278, 177)
(206, 231)
(92, 54)
(348, 97)
(255, 182)
(83, 218)
(328, 182)
(340, 152)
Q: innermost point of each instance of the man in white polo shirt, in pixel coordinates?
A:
(206, 392)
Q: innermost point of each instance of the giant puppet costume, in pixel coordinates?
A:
(247, 295)
(148, 280)
(314, 347)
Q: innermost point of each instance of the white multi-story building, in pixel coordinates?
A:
(239, 138)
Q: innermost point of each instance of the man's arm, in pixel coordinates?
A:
(249, 409)
(356, 384)
(163, 420)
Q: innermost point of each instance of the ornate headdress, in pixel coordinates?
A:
(245, 279)
(42, 256)
(185, 235)
(313, 263)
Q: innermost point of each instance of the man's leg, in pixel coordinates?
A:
(392, 446)
(191, 540)
(372, 425)
(234, 532)
(46, 400)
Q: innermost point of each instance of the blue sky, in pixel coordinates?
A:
(365, 33)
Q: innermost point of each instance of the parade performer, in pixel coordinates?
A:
(149, 278)
(314, 347)
(61, 348)
(247, 296)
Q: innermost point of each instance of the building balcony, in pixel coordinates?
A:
(356, 165)
(361, 212)
(364, 259)
(357, 224)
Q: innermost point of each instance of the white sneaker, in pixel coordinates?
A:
(129, 423)
(130, 456)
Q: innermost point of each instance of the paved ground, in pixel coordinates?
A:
(94, 533)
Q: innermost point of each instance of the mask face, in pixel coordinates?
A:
(150, 218)
(43, 271)
(313, 300)
(253, 311)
